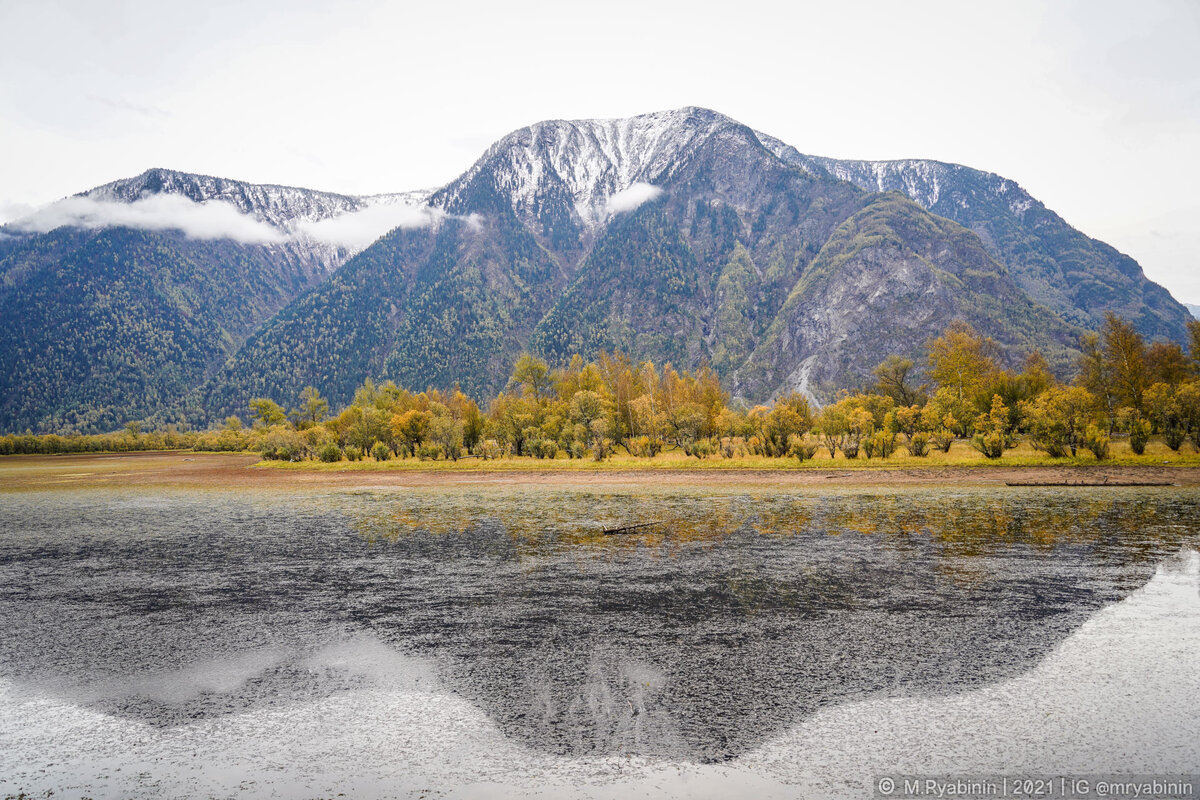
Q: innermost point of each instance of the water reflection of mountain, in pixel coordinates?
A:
(737, 617)
(734, 618)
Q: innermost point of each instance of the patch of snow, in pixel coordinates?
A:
(588, 161)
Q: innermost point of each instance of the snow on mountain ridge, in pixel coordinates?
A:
(589, 160)
(280, 206)
(924, 180)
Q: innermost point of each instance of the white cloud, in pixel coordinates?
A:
(212, 220)
(631, 198)
(216, 219)
(358, 229)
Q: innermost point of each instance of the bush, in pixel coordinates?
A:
(1138, 428)
(1174, 437)
(1139, 437)
(942, 440)
(801, 449)
(354, 453)
(639, 446)
(329, 452)
(283, 444)
(489, 449)
(918, 444)
(381, 452)
(577, 449)
(1096, 441)
(701, 449)
(880, 445)
(429, 451)
(990, 444)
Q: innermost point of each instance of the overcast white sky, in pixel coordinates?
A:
(1094, 107)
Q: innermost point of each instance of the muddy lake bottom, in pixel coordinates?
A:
(197, 628)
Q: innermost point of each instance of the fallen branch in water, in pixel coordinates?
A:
(1088, 483)
(628, 528)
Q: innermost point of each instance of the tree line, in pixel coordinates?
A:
(1124, 387)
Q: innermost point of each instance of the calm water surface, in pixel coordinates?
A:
(728, 621)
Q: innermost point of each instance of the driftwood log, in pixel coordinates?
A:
(628, 528)
(1089, 483)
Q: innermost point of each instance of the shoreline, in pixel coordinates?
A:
(185, 469)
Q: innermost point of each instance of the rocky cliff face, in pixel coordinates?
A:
(1077, 277)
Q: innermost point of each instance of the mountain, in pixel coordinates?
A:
(110, 322)
(1194, 310)
(1077, 277)
(675, 236)
(681, 236)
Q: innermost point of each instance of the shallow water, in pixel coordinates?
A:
(711, 636)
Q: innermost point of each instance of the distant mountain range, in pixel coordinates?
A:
(681, 236)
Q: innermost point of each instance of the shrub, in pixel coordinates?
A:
(801, 449)
(1096, 441)
(381, 452)
(1138, 427)
(942, 440)
(329, 452)
(993, 437)
(1139, 437)
(701, 449)
(429, 452)
(640, 446)
(990, 444)
(283, 444)
(880, 445)
(489, 449)
(918, 444)
(1174, 437)
(354, 453)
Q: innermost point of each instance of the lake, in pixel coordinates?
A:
(476, 641)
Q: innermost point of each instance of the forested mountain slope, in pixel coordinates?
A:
(681, 236)
(1077, 277)
(107, 322)
(698, 272)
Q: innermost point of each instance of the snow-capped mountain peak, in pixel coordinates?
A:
(585, 162)
(283, 207)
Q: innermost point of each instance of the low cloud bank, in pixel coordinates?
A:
(212, 220)
(217, 219)
(358, 229)
(631, 198)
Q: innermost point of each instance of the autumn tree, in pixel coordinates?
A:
(1124, 353)
(533, 374)
(791, 417)
(313, 408)
(1167, 363)
(894, 378)
(266, 412)
(961, 360)
(1058, 419)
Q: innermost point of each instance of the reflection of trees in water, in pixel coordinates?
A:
(750, 612)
